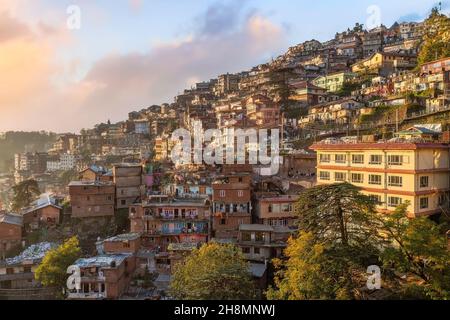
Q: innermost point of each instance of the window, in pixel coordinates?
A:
(376, 159)
(357, 178)
(27, 269)
(339, 176)
(375, 198)
(126, 244)
(256, 250)
(375, 179)
(340, 158)
(325, 158)
(358, 159)
(222, 193)
(395, 181)
(123, 202)
(270, 208)
(424, 203)
(395, 160)
(424, 182)
(240, 193)
(223, 222)
(324, 175)
(246, 250)
(394, 202)
(246, 236)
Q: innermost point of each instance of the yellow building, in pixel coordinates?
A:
(391, 172)
(383, 63)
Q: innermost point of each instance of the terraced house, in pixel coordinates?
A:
(390, 172)
(163, 220)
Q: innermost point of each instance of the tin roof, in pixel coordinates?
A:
(11, 218)
(102, 261)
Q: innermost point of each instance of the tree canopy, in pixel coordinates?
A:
(419, 250)
(24, 194)
(436, 40)
(213, 272)
(341, 235)
(338, 240)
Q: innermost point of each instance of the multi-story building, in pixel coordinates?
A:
(333, 82)
(92, 199)
(259, 243)
(128, 181)
(18, 272)
(227, 83)
(262, 112)
(276, 211)
(307, 93)
(96, 173)
(383, 63)
(33, 162)
(45, 211)
(392, 173)
(142, 126)
(105, 276)
(64, 162)
(163, 220)
(231, 204)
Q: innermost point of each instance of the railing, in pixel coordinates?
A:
(426, 113)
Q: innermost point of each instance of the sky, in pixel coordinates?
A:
(68, 65)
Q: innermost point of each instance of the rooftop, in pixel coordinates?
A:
(257, 269)
(44, 200)
(90, 183)
(393, 144)
(33, 254)
(124, 237)
(11, 218)
(182, 246)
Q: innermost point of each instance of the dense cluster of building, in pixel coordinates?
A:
(173, 209)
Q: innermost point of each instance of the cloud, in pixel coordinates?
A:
(11, 28)
(119, 83)
(135, 5)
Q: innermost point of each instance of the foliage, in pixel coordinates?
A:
(341, 235)
(122, 221)
(419, 249)
(52, 272)
(338, 240)
(312, 271)
(213, 272)
(337, 213)
(24, 194)
(436, 40)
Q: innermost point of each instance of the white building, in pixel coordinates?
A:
(66, 162)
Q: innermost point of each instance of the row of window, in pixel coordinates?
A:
(374, 179)
(375, 159)
(222, 193)
(280, 208)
